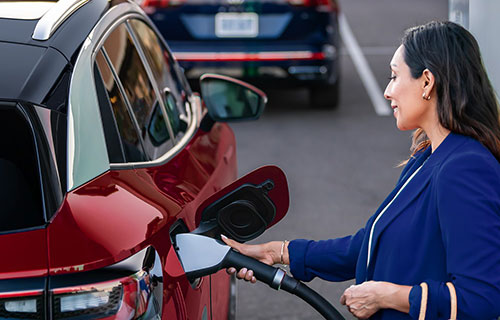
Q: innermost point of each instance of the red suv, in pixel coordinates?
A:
(105, 155)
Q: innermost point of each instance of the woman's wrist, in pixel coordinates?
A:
(274, 249)
(284, 246)
(394, 296)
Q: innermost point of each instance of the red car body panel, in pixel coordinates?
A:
(24, 254)
(123, 211)
(220, 281)
(101, 223)
(114, 215)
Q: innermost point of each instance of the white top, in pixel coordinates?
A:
(383, 211)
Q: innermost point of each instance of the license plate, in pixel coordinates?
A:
(236, 25)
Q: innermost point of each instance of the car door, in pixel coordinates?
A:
(149, 128)
(137, 132)
(208, 160)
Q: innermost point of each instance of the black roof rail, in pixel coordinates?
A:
(54, 17)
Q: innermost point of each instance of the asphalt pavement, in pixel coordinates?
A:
(340, 164)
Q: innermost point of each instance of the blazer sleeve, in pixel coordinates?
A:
(468, 205)
(332, 260)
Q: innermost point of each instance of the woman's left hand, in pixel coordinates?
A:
(365, 299)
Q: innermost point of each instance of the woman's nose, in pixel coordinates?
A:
(386, 92)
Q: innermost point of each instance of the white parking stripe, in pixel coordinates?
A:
(381, 106)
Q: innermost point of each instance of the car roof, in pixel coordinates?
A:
(31, 61)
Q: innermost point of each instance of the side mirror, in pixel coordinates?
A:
(229, 99)
(247, 207)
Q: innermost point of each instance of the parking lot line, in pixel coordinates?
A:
(365, 73)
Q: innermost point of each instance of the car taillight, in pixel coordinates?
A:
(22, 305)
(89, 301)
(129, 289)
(319, 5)
(124, 298)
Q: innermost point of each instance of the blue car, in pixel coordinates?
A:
(270, 43)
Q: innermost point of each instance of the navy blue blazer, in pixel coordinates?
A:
(443, 226)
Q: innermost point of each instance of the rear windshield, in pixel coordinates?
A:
(20, 191)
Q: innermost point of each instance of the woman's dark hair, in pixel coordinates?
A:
(466, 100)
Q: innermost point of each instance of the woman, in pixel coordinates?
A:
(433, 247)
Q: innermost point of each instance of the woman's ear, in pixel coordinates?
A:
(427, 80)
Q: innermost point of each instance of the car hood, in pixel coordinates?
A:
(24, 254)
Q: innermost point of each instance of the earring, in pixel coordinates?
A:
(426, 98)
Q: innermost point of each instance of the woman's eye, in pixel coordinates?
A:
(392, 77)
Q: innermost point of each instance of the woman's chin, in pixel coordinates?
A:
(400, 125)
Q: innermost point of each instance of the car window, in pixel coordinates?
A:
(172, 90)
(20, 196)
(138, 90)
(157, 128)
(132, 146)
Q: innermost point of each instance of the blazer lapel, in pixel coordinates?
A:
(411, 191)
(409, 194)
(410, 168)
(413, 164)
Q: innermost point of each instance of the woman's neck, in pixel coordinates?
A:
(436, 135)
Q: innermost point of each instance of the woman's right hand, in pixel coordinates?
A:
(268, 253)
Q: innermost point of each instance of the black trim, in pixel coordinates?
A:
(22, 284)
(43, 76)
(48, 174)
(57, 98)
(111, 133)
(53, 175)
(207, 123)
(177, 227)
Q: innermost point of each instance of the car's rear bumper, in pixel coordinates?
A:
(282, 66)
(271, 76)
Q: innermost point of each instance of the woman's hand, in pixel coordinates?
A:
(362, 300)
(366, 299)
(268, 253)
